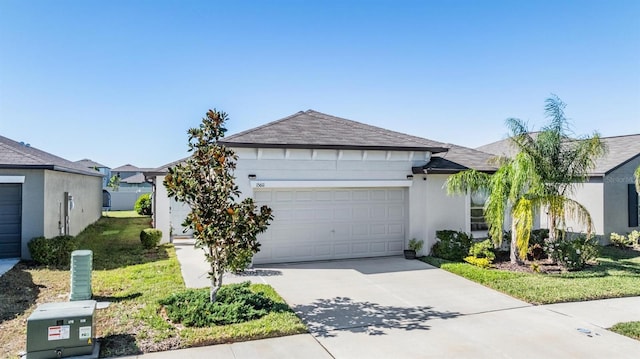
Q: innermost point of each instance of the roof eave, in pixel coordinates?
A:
(333, 147)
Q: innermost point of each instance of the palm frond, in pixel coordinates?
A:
(467, 181)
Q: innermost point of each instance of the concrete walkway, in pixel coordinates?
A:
(391, 307)
(6, 264)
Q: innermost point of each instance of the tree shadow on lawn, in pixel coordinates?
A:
(17, 292)
(324, 316)
(123, 256)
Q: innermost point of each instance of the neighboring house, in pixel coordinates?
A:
(42, 195)
(609, 194)
(338, 188)
(132, 186)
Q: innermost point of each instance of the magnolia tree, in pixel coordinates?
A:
(224, 227)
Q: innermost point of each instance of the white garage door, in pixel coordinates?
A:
(317, 224)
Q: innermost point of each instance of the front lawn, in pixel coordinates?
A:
(630, 329)
(616, 275)
(133, 280)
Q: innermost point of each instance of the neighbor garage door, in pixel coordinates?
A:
(10, 220)
(318, 224)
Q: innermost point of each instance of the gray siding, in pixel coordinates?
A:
(87, 198)
(616, 218)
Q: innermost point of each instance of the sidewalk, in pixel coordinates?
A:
(295, 346)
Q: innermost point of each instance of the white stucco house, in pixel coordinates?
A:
(43, 195)
(609, 195)
(338, 188)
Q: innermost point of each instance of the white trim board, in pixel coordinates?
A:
(11, 179)
(265, 184)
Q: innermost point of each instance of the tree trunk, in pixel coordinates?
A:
(215, 275)
(513, 252)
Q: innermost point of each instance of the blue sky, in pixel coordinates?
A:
(121, 81)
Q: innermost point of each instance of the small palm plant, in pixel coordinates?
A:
(414, 247)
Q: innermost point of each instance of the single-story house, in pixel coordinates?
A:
(43, 195)
(609, 194)
(132, 186)
(339, 188)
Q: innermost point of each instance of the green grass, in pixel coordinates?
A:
(617, 274)
(133, 280)
(630, 329)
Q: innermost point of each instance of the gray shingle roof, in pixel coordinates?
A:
(90, 163)
(312, 129)
(130, 168)
(621, 149)
(17, 155)
(457, 159)
(136, 178)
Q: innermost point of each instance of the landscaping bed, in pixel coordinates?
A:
(133, 280)
(615, 274)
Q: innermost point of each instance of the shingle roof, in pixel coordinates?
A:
(457, 159)
(90, 163)
(130, 168)
(312, 129)
(18, 155)
(621, 149)
(136, 178)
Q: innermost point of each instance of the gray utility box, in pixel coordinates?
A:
(57, 330)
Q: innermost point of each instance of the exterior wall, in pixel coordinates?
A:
(162, 210)
(42, 194)
(87, 199)
(430, 208)
(32, 205)
(328, 165)
(591, 196)
(443, 211)
(615, 198)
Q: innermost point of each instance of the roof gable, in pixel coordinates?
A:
(18, 155)
(312, 129)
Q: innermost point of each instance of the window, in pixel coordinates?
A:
(478, 223)
(632, 205)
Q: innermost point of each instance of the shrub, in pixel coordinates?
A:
(481, 254)
(480, 262)
(143, 204)
(634, 238)
(620, 240)
(53, 251)
(235, 303)
(574, 252)
(452, 245)
(150, 237)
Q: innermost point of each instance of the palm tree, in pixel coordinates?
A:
(543, 174)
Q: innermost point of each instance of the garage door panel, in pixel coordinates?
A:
(342, 195)
(317, 224)
(10, 220)
(396, 212)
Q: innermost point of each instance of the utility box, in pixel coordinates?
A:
(58, 330)
(81, 267)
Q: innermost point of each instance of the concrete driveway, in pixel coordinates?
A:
(394, 308)
(391, 307)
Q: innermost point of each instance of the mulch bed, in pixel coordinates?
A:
(502, 262)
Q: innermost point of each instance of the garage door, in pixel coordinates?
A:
(318, 224)
(10, 220)
(179, 212)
